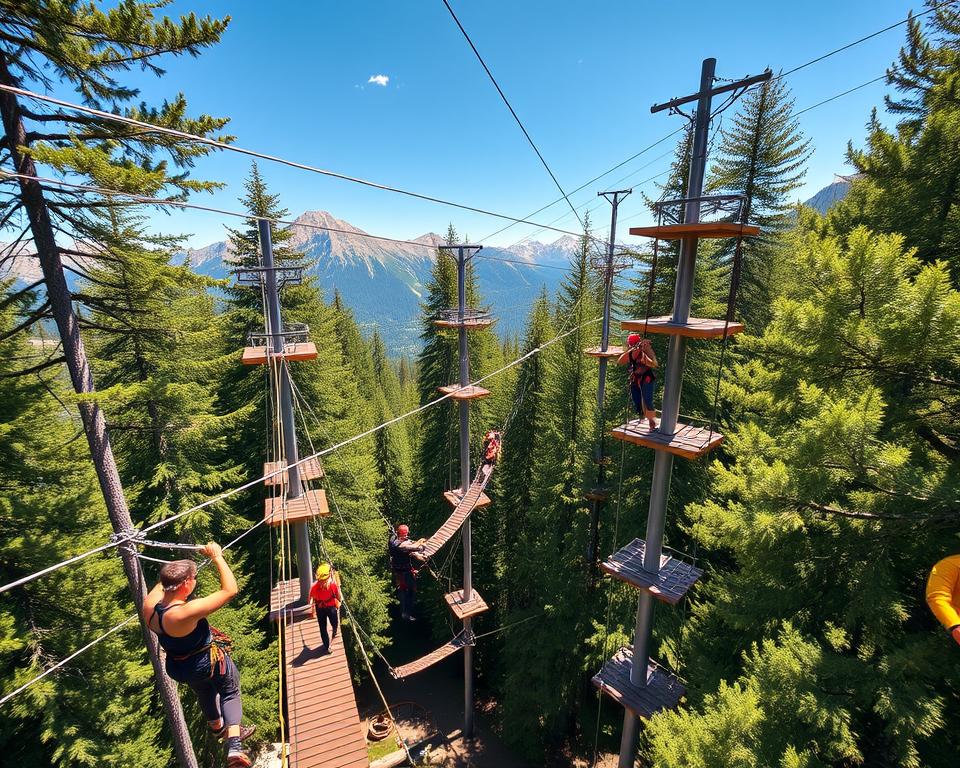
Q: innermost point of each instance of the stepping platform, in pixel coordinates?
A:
(669, 584)
(662, 691)
(688, 441)
(323, 721)
(597, 494)
(597, 352)
(429, 660)
(462, 507)
(291, 353)
(711, 229)
(462, 610)
(694, 328)
(312, 504)
(468, 392)
(309, 470)
(285, 601)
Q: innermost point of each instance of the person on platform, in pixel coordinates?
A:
(403, 554)
(198, 655)
(325, 603)
(492, 447)
(943, 594)
(641, 362)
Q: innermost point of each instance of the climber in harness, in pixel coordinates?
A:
(403, 553)
(325, 603)
(197, 654)
(943, 594)
(640, 361)
(492, 447)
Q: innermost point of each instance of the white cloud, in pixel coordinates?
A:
(380, 80)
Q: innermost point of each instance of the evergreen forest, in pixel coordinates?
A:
(807, 643)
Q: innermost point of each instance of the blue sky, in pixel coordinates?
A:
(294, 78)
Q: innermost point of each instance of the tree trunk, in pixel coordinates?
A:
(94, 424)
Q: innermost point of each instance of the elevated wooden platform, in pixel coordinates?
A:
(597, 352)
(312, 504)
(285, 601)
(711, 229)
(470, 323)
(462, 507)
(309, 470)
(463, 610)
(669, 584)
(291, 353)
(448, 649)
(662, 691)
(322, 718)
(468, 392)
(688, 441)
(597, 494)
(694, 328)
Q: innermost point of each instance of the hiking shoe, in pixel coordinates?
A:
(238, 760)
(245, 732)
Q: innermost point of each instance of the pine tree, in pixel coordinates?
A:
(762, 156)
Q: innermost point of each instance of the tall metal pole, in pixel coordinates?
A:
(294, 487)
(673, 379)
(614, 199)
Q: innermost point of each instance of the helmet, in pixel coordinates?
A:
(323, 571)
(403, 530)
(633, 338)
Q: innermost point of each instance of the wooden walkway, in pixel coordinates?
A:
(460, 513)
(323, 725)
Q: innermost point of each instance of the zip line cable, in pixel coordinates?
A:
(513, 112)
(251, 483)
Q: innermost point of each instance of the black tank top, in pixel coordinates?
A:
(181, 646)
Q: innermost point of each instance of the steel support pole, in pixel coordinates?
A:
(602, 385)
(673, 379)
(294, 489)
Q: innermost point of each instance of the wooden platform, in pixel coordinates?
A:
(597, 494)
(309, 470)
(470, 323)
(429, 660)
(323, 723)
(285, 600)
(669, 584)
(462, 508)
(291, 352)
(463, 610)
(662, 691)
(694, 328)
(312, 504)
(688, 441)
(597, 352)
(468, 392)
(700, 229)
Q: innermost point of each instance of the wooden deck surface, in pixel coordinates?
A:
(688, 441)
(694, 328)
(460, 513)
(323, 724)
(291, 352)
(309, 470)
(697, 229)
(662, 691)
(669, 584)
(313, 503)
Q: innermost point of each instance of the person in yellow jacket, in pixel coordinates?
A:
(943, 594)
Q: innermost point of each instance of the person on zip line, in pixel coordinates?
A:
(403, 553)
(943, 594)
(325, 603)
(198, 654)
(641, 361)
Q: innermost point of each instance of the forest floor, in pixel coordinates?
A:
(435, 699)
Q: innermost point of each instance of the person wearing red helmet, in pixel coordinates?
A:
(640, 361)
(403, 553)
(492, 446)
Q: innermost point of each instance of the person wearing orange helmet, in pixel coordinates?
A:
(325, 603)
(403, 553)
(641, 361)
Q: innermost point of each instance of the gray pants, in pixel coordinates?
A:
(220, 695)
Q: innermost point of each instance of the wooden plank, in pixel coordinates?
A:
(464, 507)
(469, 392)
(309, 470)
(324, 724)
(463, 610)
(429, 660)
(688, 441)
(671, 582)
(662, 690)
(694, 328)
(468, 323)
(699, 229)
(291, 352)
(313, 503)
(597, 352)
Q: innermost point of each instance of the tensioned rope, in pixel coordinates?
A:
(251, 483)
